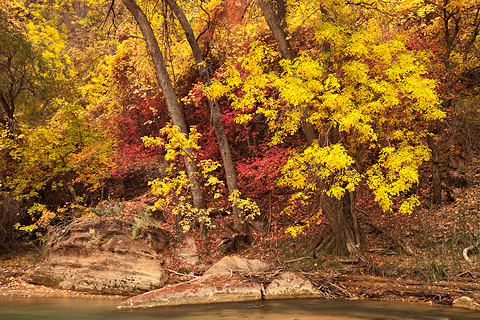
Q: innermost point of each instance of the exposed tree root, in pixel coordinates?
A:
(405, 247)
(465, 251)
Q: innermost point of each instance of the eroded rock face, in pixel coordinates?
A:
(228, 287)
(288, 285)
(187, 251)
(99, 255)
(229, 264)
(206, 289)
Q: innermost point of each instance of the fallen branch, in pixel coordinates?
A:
(182, 274)
(466, 272)
(352, 261)
(329, 288)
(295, 260)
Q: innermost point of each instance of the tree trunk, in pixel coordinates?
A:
(436, 182)
(240, 224)
(339, 212)
(276, 20)
(8, 117)
(343, 222)
(174, 108)
(278, 28)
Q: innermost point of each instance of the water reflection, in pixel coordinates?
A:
(92, 309)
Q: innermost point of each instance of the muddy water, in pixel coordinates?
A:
(12, 308)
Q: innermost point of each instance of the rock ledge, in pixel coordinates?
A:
(100, 256)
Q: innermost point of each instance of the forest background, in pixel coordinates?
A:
(281, 129)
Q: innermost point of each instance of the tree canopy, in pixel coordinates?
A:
(286, 112)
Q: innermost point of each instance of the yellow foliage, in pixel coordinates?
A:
(395, 173)
(42, 217)
(246, 205)
(46, 37)
(172, 188)
(176, 143)
(331, 163)
(295, 230)
(65, 144)
(372, 90)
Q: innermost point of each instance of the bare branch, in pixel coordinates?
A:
(208, 24)
(370, 6)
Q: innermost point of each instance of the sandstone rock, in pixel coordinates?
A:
(187, 251)
(466, 303)
(206, 289)
(235, 263)
(456, 162)
(99, 255)
(288, 285)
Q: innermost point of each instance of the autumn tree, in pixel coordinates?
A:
(17, 68)
(240, 224)
(64, 161)
(451, 29)
(29, 74)
(275, 14)
(34, 72)
(54, 156)
(364, 93)
(175, 110)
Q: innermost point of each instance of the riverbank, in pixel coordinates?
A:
(346, 285)
(353, 287)
(18, 287)
(16, 267)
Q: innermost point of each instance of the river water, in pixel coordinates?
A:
(14, 308)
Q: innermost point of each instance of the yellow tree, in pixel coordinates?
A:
(34, 72)
(451, 29)
(174, 108)
(33, 65)
(367, 97)
(65, 155)
(49, 144)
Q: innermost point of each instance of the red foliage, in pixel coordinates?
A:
(258, 175)
(258, 166)
(141, 117)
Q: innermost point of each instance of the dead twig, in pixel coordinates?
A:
(298, 259)
(182, 274)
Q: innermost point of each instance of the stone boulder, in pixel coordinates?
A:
(99, 255)
(226, 287)
(466, 303)
(229, 264)
(288, 285)
(202, 290)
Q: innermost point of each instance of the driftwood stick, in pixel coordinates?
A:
(182, 274)
(295, 260)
